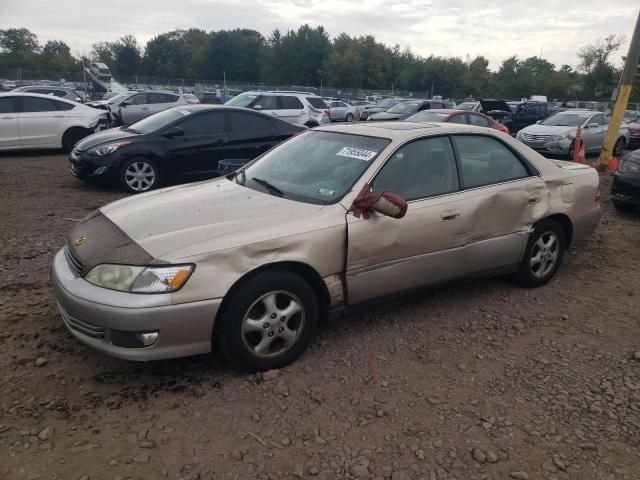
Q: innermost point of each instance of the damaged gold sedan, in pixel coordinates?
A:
(332, 218)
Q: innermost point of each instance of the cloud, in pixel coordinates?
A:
(436, 27)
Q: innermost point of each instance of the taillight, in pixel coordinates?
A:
(328, 112)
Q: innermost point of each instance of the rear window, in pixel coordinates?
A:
(427, 116)
(317, 102)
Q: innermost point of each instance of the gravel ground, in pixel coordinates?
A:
(483, 380)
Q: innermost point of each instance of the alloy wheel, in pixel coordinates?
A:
(273, 324)
(544, 254)
(140, 176)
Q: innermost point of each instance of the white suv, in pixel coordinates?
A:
(300, 108)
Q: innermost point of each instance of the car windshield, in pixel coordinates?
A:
(242, 100)
(566, 119)
(315, 167)
(159, 120)
(118, 98)
(386, 103)
(405, 107)
(466, 105)
(428, 116)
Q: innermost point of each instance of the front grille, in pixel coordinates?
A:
(75, 262)
(79, 326)
(527, 137)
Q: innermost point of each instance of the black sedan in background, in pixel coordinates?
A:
(625, 190)
(177, 145)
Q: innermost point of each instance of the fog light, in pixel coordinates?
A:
(99, 171)
(133, 339)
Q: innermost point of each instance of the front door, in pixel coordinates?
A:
(250, 135)
(202, 146)
(9, 133)
(40, 122)
(593, 132)
(134, 108)
(427, 245)
(503, 195)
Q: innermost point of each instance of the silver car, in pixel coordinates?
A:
(340, 111)
(330, 219)
(556, 134)
(67, 93)
(128, 108)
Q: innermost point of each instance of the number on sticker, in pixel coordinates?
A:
(358, 153)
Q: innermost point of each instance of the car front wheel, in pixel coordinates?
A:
(543, 254)
(268, 321)
(139, 175)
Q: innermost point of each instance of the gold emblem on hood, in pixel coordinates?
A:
(80, 240)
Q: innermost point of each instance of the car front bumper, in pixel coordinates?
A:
(626, 188)
(553, 147)
(99, 317)
(85, 167)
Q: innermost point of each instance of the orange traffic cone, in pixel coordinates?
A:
(612, 166)
(578, 148)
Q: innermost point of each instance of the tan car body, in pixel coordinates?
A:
(229, 231)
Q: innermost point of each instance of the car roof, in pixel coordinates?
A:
(24, 87)
(37, 95)
(579, 112)
(444, 110)
(400, 131)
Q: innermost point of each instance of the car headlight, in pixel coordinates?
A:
(562, 136)
(628, 166)
(134, 279)
(103, 150)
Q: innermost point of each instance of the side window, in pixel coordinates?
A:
(63, 105)
(458, 118)
(599, 119)
(8, 105)
(35, 104)
(247, 124)
(59, 93)
(485, 160)
(267, 103)
(420, 169)
(205, 124)
(316, 102)
(139, 99)
(161, 98)
(290, 103)
(534, 110)
(478, 120)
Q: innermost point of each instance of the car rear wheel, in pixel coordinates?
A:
(349, 117)
(268, 322)
(543, 254)
(73, 136)
(139, 175)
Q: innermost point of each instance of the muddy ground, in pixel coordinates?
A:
(483, 380)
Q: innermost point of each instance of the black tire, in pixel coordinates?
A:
(571, 147)
(146, 183)
(621, 206)
(311, 124)
(73, 136)
(618, 147)
(528, 275)
(349, 117)
(231, 335)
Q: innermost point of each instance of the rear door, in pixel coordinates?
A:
(479, 120)
(290, 109)
(203, 144)
(160, 101)
(9, 133)
(426, 246)
(503, 197)
(250, 135)
(41, 122)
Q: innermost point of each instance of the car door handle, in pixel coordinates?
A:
(7, 118)
(449, 215)
(534, 198)
(274, 114)
(220, 141)
(145, 108)
(58, 116)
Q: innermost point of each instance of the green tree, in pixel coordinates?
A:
(595, 63)
(19, 48)
(56, 57)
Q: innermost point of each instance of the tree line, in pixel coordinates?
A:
(309, 57)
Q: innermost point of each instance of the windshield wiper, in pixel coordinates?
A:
(268, 186)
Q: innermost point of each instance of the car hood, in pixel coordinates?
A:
(104, 136)
(389, 116)
(494, 105)
(214, 215)
(538, 129)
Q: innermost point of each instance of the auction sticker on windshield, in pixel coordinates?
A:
(358, 153)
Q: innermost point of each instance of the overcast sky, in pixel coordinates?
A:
(440, 27)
